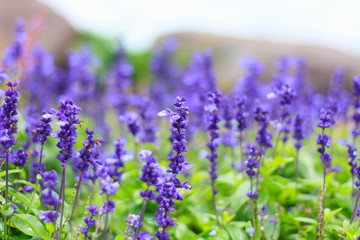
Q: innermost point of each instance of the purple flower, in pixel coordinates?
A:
(178, 121)
(85, 155)
(213, 118)
(263, 137)
(250, 85)
(49, 216)
(356, 105)
(3, 75)
(49, 196)
(108, 186)
(108, 207)
(144, 236)
(167, 194)
(19, 158)
(326, 120)
(16, 50)
(67, 133)
(8, 111)
(89, 221)
(298, 131)
(251, 165)
(151, 173)
(44, 128)
(133, 122)
(352, 153)
(227, 112)
(240, 114)
(147, 114)
(263, 210)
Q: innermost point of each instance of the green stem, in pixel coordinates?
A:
(142, 212)
(6, 232)
(76, 196)
(62, 196)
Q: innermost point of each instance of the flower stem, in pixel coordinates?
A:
(106, 221)
(254, 217)
(296, 175)
(62, 196)
(276, 143)
(41, 154)
(355, 207)
(6, 192)
(75, 200)
(214, 201)
(142, 212)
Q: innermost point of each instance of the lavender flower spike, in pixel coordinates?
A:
(152, 176)
(356, 105)
(168, 192)
(326, 121)
(89, 221)
(213, 118)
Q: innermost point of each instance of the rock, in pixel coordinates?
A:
(228, 51)
(42, 24)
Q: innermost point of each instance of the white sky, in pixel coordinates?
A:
(332, 23)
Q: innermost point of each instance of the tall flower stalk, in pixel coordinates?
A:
(169, 189)
(152, 176)
(49, 197)
(286, 95)
(67, 135)
(252, 167)
(86, 157)
(326, 120)
(298, 136)
(356, 105)
(241, 118)
(8, 129)
(263, 137)
(213, 119)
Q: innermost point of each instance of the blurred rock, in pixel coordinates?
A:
(43, 26)
(228, 51)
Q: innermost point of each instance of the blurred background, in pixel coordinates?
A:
(325, 33)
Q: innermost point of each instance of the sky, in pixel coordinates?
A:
(329, 23)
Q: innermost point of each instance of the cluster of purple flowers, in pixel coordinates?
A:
(213, 118)
(89, 221)
(151, 173)
(67, 133)
(19, 158)
(298, 131)
(263, 137)
(168, 189)
(356, 105)
(326, 120)
(16, 50)
(85, 155)
(251, 165)
(8, 121)
(286, 95)
(50, 197)
(132, 121)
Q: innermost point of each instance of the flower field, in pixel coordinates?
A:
(88, 152)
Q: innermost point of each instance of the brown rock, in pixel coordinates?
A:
(227, 52)
(43, 26)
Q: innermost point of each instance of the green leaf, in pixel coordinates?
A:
(236, 231)
(227, 217)
(30, 225)
(27, 183)
(3, 174)
(24, 200)
(7, 211)
(306, 220)
(331, 214)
